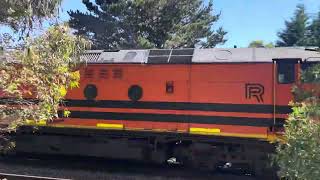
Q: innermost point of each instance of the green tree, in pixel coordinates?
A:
(148, 24)
(314, 32)
(269, 45)
(298, 157)
(21, 14)
(295, 30)
(260, 44)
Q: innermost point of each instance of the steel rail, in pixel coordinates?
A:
(10, 176)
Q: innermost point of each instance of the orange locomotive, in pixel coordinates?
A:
(186, 91)
(182, 101)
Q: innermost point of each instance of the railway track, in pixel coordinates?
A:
(9, 176)
(79, 168)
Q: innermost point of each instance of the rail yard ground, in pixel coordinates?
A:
(91, 168)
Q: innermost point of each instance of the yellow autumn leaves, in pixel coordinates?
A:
(47, 65)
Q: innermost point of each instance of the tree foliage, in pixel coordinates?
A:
(38, 68)
(300, 30)
(314, 32)
(260, 44)
(21, 14)
(299, 156)
(295, 29)
(43, 71)
(122, 24)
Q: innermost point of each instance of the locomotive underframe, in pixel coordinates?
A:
(196, 151)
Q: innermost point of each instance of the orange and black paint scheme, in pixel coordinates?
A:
(219, 95)
(224, 99)
(179, 98)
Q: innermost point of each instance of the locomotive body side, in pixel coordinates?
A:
(212, 99)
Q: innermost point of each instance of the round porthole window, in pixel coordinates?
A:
(90, 92)
(135, 93)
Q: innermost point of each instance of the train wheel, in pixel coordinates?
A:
(199, 156)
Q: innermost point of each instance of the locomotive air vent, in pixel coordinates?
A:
(117, 73)
(89, 73)
(103, 74)
(172, 56)
(90, 57)
(159, 56)
(135, 92)
(181, 56)
(90, 92)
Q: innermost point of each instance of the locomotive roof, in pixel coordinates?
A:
(187, 56)
(211, 55)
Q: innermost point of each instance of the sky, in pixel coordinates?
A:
(248, 20)
(244, 20)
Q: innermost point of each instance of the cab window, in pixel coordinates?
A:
(286, 72)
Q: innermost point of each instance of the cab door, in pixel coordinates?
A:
(285, 76)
